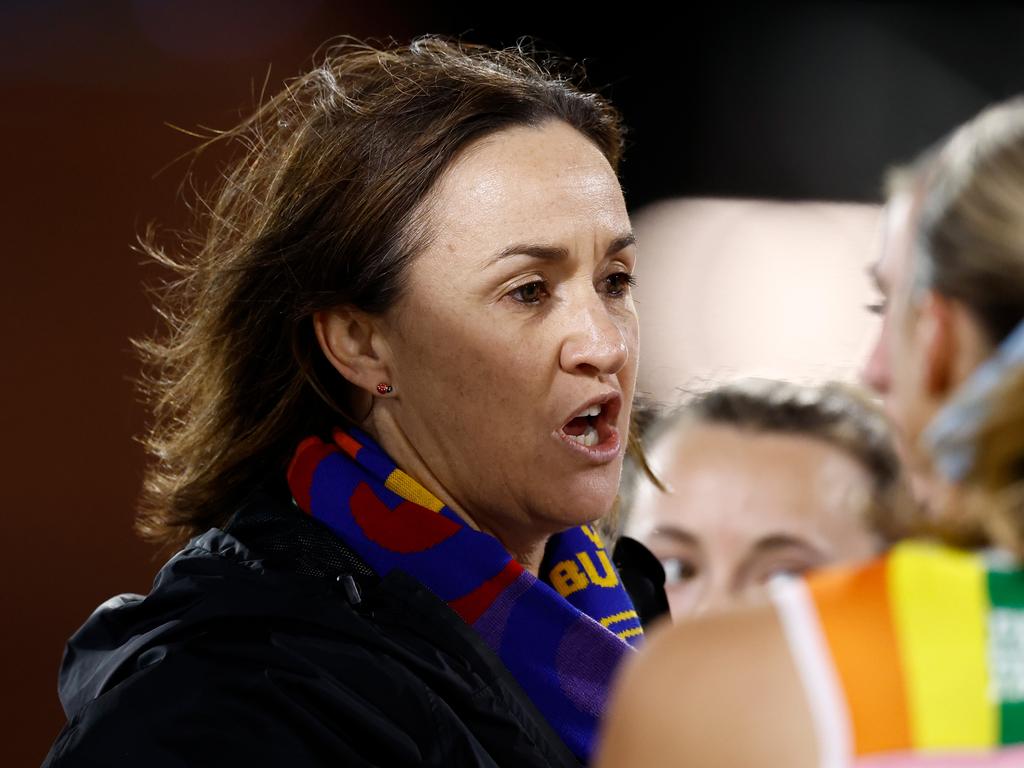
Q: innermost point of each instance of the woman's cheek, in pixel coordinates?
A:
(682, 597)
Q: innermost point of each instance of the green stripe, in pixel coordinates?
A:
(1006, 648)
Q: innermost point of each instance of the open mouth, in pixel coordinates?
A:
(593, 425)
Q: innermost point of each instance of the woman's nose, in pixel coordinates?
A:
(596, 342)
(716, 596)
(875, 373)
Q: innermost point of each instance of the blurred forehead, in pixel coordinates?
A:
(720, 476)
(894, 262)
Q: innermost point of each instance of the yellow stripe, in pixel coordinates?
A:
(616, 617)
(627, 633)
(400, 483)
(940, 607)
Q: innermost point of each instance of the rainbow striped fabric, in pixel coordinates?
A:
(561, 636)
(920, 651)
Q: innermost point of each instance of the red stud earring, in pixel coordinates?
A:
(384, 388)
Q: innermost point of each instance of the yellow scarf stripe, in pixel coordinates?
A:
(400, 483)
(940, 612)
(628, 633)
(615, 618)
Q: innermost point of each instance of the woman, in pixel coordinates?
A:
(759, 477)
(394, 394)
(918, 655)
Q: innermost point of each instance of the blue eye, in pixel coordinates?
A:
(531, 293)
(619, 284)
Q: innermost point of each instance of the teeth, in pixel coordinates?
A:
(588, 438)
(593, 410)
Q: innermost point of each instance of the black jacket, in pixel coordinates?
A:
(271, 643)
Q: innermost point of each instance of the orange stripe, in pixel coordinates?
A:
(856, 617)
(347, 443)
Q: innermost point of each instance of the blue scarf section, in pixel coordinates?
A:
(953, 432)
(562, 636)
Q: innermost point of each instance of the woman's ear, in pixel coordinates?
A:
(937, 342)
(942, 344)
(352, 341)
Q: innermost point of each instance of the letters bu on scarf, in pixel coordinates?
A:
(561, 636)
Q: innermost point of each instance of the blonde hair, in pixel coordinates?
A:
(969, 246)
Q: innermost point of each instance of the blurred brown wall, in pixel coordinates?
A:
(85, 96)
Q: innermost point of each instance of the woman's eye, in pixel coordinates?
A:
(531, 293)
(678, 570)
(619, 283)
(876, 308)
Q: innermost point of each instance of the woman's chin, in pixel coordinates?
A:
(584, 505)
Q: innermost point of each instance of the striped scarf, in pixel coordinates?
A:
(921, 651)
(561, 636)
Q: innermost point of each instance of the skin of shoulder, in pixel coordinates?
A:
(720, 691)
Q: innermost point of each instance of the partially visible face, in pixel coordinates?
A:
(743, 507)
(514, 346)
(895, 367)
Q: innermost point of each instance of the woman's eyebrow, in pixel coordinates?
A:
(621, 243)
(777, 541)
(677, 534)
(536, 251)
(555, 252)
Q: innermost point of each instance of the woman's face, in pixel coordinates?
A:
(743, 507)
(514, 347)
(896, 367)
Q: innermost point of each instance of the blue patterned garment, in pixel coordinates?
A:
(561, 636)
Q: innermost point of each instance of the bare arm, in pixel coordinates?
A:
(721, 691)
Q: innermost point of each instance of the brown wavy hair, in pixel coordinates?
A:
(324, 205)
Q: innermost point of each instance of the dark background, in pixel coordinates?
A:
(790, 102)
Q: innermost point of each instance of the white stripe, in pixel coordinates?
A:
(814, 663)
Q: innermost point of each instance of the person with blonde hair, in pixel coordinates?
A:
(915, 658)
